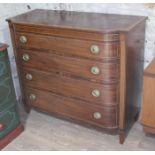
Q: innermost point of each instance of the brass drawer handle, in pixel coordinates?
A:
(23, 39)
(94, 49)
(97, 115)
(32, 97)
(95, 70)
(29, 76)
(95, 93)
(26, 57)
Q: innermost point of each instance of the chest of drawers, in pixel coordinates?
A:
(81, 66)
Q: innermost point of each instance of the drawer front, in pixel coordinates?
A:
(66, 46)
(103, 117)
(108, 72)
(69, 33)
(8, 120)
(74, 88)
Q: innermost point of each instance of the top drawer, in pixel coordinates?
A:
(67, 46)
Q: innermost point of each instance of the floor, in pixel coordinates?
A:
(43, 132)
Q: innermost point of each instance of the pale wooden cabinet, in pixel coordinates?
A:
(148, 106)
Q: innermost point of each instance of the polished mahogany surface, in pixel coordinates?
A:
(79, 20)
(82, 66)
(53, 103)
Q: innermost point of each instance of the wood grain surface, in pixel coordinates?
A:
(108, 72)
(79, 20)
(71, 87)
(72, 47)
(77, 110)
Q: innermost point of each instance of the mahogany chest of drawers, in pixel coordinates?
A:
(81, 66)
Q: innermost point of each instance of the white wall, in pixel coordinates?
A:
(8, 10)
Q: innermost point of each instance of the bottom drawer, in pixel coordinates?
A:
(9, 120)
(105, 117)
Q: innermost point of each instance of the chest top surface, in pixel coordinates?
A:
(78, 20)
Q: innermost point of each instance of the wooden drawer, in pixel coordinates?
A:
(46, 101)
(108, 72)
(67, 46)
(68, 33)
(71, 87)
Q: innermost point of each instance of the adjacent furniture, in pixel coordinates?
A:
(10, 126)
(84, 67)
(148, 106)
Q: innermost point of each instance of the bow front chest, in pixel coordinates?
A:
(84, 67)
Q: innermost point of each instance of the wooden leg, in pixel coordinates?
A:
(26, 107)
(136, 116)
(23, 105)
(121, 136)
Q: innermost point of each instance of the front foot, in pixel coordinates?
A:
(27, 108)
(121, 136)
